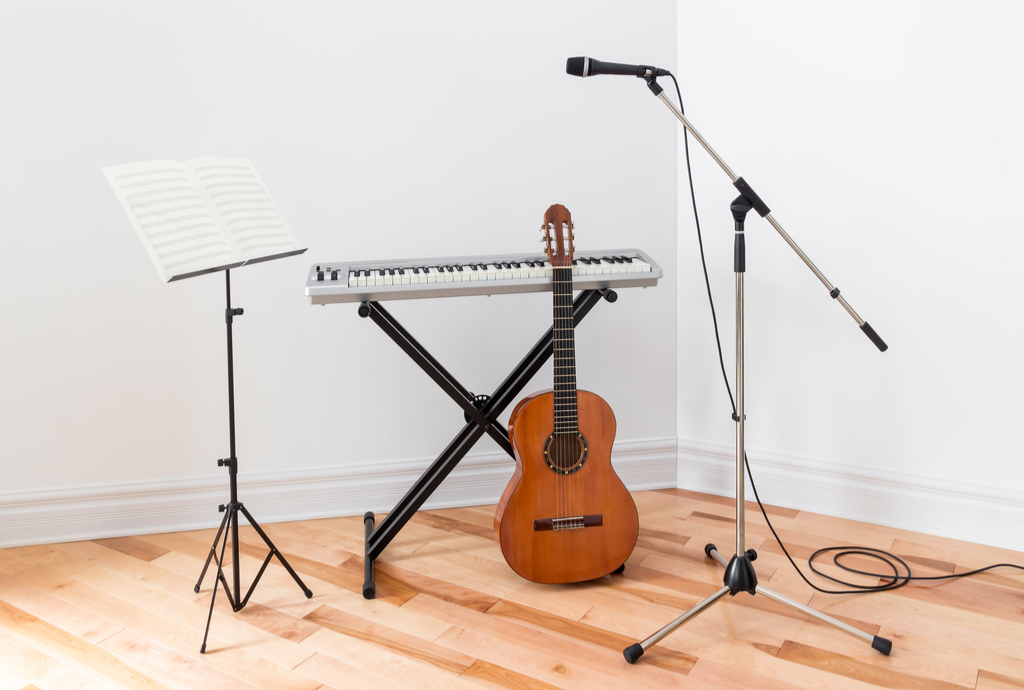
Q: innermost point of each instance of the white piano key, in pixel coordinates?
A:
(344, 281)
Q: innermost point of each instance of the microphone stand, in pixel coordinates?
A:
(739, 571)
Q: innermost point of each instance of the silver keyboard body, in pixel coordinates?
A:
(585, 277)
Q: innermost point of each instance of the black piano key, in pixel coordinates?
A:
(319, 275)
(334, 275)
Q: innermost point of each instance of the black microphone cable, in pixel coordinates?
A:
(896, 579)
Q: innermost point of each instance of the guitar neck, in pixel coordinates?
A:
(566, 420)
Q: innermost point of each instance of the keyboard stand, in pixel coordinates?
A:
(481, 414)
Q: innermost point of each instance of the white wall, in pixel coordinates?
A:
(384, 130)
(885, 136)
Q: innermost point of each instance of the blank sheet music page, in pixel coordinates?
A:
(171, 218)
(243, 207)
(203, 215)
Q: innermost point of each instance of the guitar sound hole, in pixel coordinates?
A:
(565, 453)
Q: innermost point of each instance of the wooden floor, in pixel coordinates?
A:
(450, 613)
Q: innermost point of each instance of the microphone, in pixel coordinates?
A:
(589, 67)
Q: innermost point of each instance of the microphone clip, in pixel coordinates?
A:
(650, 76)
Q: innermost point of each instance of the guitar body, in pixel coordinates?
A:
(582, 490)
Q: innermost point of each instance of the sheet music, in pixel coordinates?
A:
(203, 215)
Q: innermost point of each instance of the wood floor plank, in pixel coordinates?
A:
(394, 640)
(23, 666)
(173, 669)
(9, 680)
(178, 636)
(288, 602)
(495, 675)
(95, 553)
(12, 564)
(383, 662)
(59, 560)
(49, 608)
(474, 570)
(328, 670)
(668, 659)
(251, 638)
(580, 655)
(944, 625)
(550, 669)
(136, 548)
(995, 681)
(73, 647)
(442, 589)
(858, 670)
(713, 675)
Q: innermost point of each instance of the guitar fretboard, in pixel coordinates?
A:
(566, 421)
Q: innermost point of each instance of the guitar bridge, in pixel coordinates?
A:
(575, 522)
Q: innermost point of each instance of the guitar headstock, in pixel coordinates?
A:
(558, 235)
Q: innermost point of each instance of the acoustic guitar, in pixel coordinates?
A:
(565, 516)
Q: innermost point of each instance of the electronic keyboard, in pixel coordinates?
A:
(377, 281)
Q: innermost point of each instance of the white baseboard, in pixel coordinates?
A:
(124, 509)
(979, 513)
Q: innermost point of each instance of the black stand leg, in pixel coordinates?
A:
(229, 525)
(481, 414)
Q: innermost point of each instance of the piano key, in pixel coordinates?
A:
(358, 281)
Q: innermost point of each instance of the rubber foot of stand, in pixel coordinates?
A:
(202, 650)
(369, 591)
(708, 549)
(197, 589)
(619, 570)
(881, 644)
(309, 594)
(633, 652)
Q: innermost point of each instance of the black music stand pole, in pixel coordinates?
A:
(229, 525)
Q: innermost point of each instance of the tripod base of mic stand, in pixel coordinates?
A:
(229, 528)
(740, 577)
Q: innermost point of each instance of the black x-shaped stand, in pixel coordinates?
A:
(481, 412)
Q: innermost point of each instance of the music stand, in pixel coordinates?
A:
(202, 216)
(739, 571)
(234, 506)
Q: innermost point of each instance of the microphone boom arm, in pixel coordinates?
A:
(762, 209)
